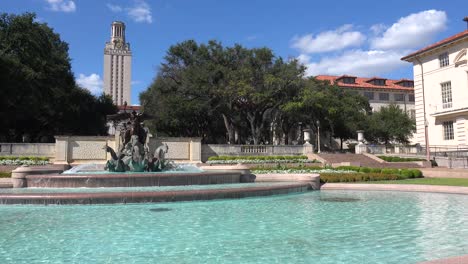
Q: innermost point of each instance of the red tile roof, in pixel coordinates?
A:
(364, 84)
(448, 40)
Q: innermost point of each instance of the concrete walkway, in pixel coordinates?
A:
(444, 173)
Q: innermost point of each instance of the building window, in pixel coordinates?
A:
(446, 88)
(380, 82)
(369, 95)
(448, 130)
(407, 84)
(399, 97)
(412, 114)
(444, 60)
(349, 80)
(411, 97)
(383, 96)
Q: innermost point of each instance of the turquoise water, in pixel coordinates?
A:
(143, 189)
(315, 227)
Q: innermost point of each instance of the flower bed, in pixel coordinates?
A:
(11, 160)
(258, 159)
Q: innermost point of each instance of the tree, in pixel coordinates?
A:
(338, 111)
(231, 85)
(389, 125)
(39, 94)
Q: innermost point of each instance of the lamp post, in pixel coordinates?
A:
(318, 136)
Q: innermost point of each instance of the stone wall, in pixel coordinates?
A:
(85, 149)
(27, 149)
(251, 150)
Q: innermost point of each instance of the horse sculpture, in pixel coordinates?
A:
(159, 162)
(133, 152)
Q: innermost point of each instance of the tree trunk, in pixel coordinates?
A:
(229, 129)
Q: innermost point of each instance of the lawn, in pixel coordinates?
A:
(426, 181)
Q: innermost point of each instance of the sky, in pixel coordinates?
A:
(363, 38)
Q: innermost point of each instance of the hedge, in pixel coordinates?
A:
(5, 174)
(299, 157)
(358, 177)
(24, 158)
(398, 159)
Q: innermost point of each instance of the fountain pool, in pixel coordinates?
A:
(314, 227)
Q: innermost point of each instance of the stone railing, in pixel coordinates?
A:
(252, 150)
(27, 149)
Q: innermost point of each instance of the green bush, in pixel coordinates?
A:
(417, 173)
(33, 158)
(390, 171)
(301, 157)
(406, 173)
(357, 177)
(399, 159)
(365, 170)
(349, 168)
(375, 170)
(5, 174)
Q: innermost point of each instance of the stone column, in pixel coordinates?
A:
(195, 150)
(360, 147)
(61, 150)
(308, 148)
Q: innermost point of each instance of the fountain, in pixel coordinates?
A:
(136, 174)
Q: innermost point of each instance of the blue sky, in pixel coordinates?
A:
(364, 38)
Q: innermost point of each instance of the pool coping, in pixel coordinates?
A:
(396, 187)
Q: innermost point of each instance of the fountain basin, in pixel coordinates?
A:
(152, 196)
(130, 180)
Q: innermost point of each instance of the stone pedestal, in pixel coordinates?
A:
(18, 176)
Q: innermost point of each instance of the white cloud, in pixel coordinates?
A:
(62, 5)
(139, 12)
(93, 82)
(413, 31)
(378, 28)
(380, 54)
(355, 62)
(114, 8)
(332, 40)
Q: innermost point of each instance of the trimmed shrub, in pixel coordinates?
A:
(375, 170)
(365, 170)
(390, 171)
(5, 174)
(416, 173)
(399, 159)
(348, 168)
(357, 177)
(406, 173)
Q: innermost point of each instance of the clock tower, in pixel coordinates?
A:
(118, 66)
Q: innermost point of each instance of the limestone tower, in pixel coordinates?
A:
(118, 66)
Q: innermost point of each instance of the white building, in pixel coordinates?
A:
(379, 91)
(441, 92)
(118, 66)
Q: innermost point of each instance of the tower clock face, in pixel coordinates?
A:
(118, 43)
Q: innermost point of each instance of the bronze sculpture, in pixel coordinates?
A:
(134, 153)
